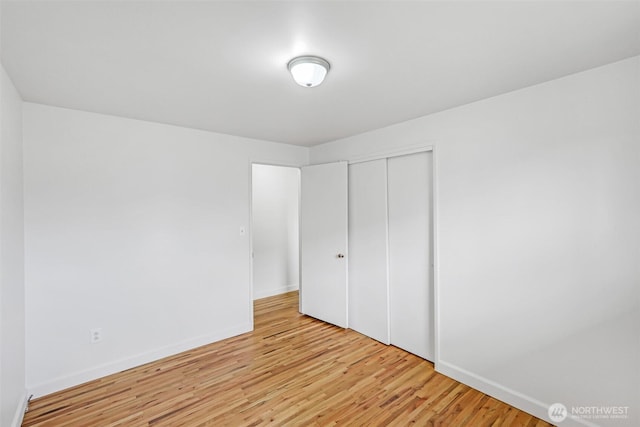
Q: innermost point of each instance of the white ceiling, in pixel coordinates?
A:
(221, 66)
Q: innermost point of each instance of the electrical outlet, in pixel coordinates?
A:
(96, 335)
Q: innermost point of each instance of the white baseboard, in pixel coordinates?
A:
(275, 291)
(103, 370)
(20, 410)
(514, 398)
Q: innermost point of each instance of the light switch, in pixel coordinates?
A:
(243, 231)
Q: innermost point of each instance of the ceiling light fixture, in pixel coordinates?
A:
(308, 71)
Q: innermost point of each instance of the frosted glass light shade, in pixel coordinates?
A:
(308, 71)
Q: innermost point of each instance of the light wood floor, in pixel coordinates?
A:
(292, 370)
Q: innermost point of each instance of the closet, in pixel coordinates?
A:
(391, 251)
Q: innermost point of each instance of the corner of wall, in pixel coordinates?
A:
(21, 409)
(13, 396)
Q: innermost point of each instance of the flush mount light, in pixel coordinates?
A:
(308, 71)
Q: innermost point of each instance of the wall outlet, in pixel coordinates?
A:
(96, 335)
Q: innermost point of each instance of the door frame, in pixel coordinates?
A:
(263, 162)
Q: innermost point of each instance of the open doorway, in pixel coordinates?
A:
(275, 205)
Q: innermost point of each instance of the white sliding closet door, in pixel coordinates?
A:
(368, 290)
(410, 253)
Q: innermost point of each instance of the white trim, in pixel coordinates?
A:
(100, 371)
(259, 161)
(300, 222)
(436, 263)
(392, 153)
(300, 241)
(346, 248)
(387, 254)
(20, 410)
(275, 291)
(250, 235)
(514, 398)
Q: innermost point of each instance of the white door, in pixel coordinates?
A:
(410, 253)
(368, 287)
(323, 238)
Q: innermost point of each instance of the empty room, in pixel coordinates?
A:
(292, 213)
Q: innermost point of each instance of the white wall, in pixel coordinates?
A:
(538, 224)
(132, 227)
(12, 305)
(275, 229)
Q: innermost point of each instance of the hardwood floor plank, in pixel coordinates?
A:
(291, 370)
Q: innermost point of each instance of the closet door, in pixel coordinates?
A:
(410, 253)
(368, 290)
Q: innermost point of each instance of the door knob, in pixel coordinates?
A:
(340, 256)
